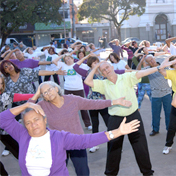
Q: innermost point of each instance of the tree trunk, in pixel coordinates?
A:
(119, 33)
(4, 37)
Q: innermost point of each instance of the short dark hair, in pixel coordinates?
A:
(133, 42)
(117, 58)
(92, 59)
(17, 70)
(64, 51)
(51, 48)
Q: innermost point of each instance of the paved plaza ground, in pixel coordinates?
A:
(163, 165)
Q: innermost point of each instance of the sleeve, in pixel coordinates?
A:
(170, 74)
(21, 97)
(172, 49)
(75, 141)
(123, 47)
(111, 45)
(121, 51)
(31, 73)
(89, 104)
(134, 59)
(79, 70)
(11, 125)
(7, 98)
(98, 86)
(85, 66)
(119, 71)
(40, 53)
(33, 63)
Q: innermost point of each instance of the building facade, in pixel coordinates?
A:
(156, 24)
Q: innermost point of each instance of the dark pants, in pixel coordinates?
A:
(84, 113)
(129, 62)
(172, 128)
(39, 79)
(95, 119)
(138, 142)
(79, 160)
(3, 172)
(56, 78)
(11, 144)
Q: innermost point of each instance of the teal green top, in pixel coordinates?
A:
(145, 78)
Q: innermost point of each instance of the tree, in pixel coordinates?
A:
(16, 13)
(96, 10)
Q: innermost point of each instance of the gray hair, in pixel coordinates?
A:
(53, 84)
(23, 114)
(150, 55)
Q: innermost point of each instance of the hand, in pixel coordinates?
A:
(126, 128)
(37, 108)
(121, 101)
(61, 72)
(166, 62)
(38, 92)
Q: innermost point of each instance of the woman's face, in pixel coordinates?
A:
(35, 124)
(30, 51)
(113, 60)
(49, 92)
(8, 67)
(94, 64)
(147, 44)
(51, 51)
(81, 55)
(69, 60)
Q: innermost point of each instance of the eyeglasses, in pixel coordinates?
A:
(48, 91)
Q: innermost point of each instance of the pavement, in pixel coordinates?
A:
(163, 165)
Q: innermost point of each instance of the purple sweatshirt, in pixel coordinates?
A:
(129, 52)
(117, 49)
(60, 142)
(27, 63)
(83, 72)
(66, 117)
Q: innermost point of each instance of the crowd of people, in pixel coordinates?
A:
(42, 128)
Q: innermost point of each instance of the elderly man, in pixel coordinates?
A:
(161, 94)
(114, 87)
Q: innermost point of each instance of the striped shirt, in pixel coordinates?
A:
(158, 84)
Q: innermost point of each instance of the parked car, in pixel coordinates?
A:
(129, 39)
(61, 41)
(10, 41)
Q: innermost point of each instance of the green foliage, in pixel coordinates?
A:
(96, 10)
(16, 13)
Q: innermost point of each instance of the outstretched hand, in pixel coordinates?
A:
(121, 101)
(167, 63)
(127, 128)
(61, 72)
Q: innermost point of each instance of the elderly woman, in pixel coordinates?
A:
(62, 114)
(43, 151)
(73, 83)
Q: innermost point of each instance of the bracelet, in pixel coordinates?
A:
(158, 67)
(54, 72)
(111, 103)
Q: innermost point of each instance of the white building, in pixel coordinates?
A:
(155, 24)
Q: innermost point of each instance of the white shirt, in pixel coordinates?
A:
(73, 80)
(32, 56)
(120, 65)
(50, 57)
(38, 157)
(172, 49)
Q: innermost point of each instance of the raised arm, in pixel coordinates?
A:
(159, 53)
(149, 71)
(89, 78)
(45, 62)
(170, 40)
(55, 61)
(136, 52)
(79, 70)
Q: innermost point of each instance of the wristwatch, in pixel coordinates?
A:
(158, 67)
(111, 135)
(111, 103)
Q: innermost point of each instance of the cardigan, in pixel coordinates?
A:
(60, 142)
